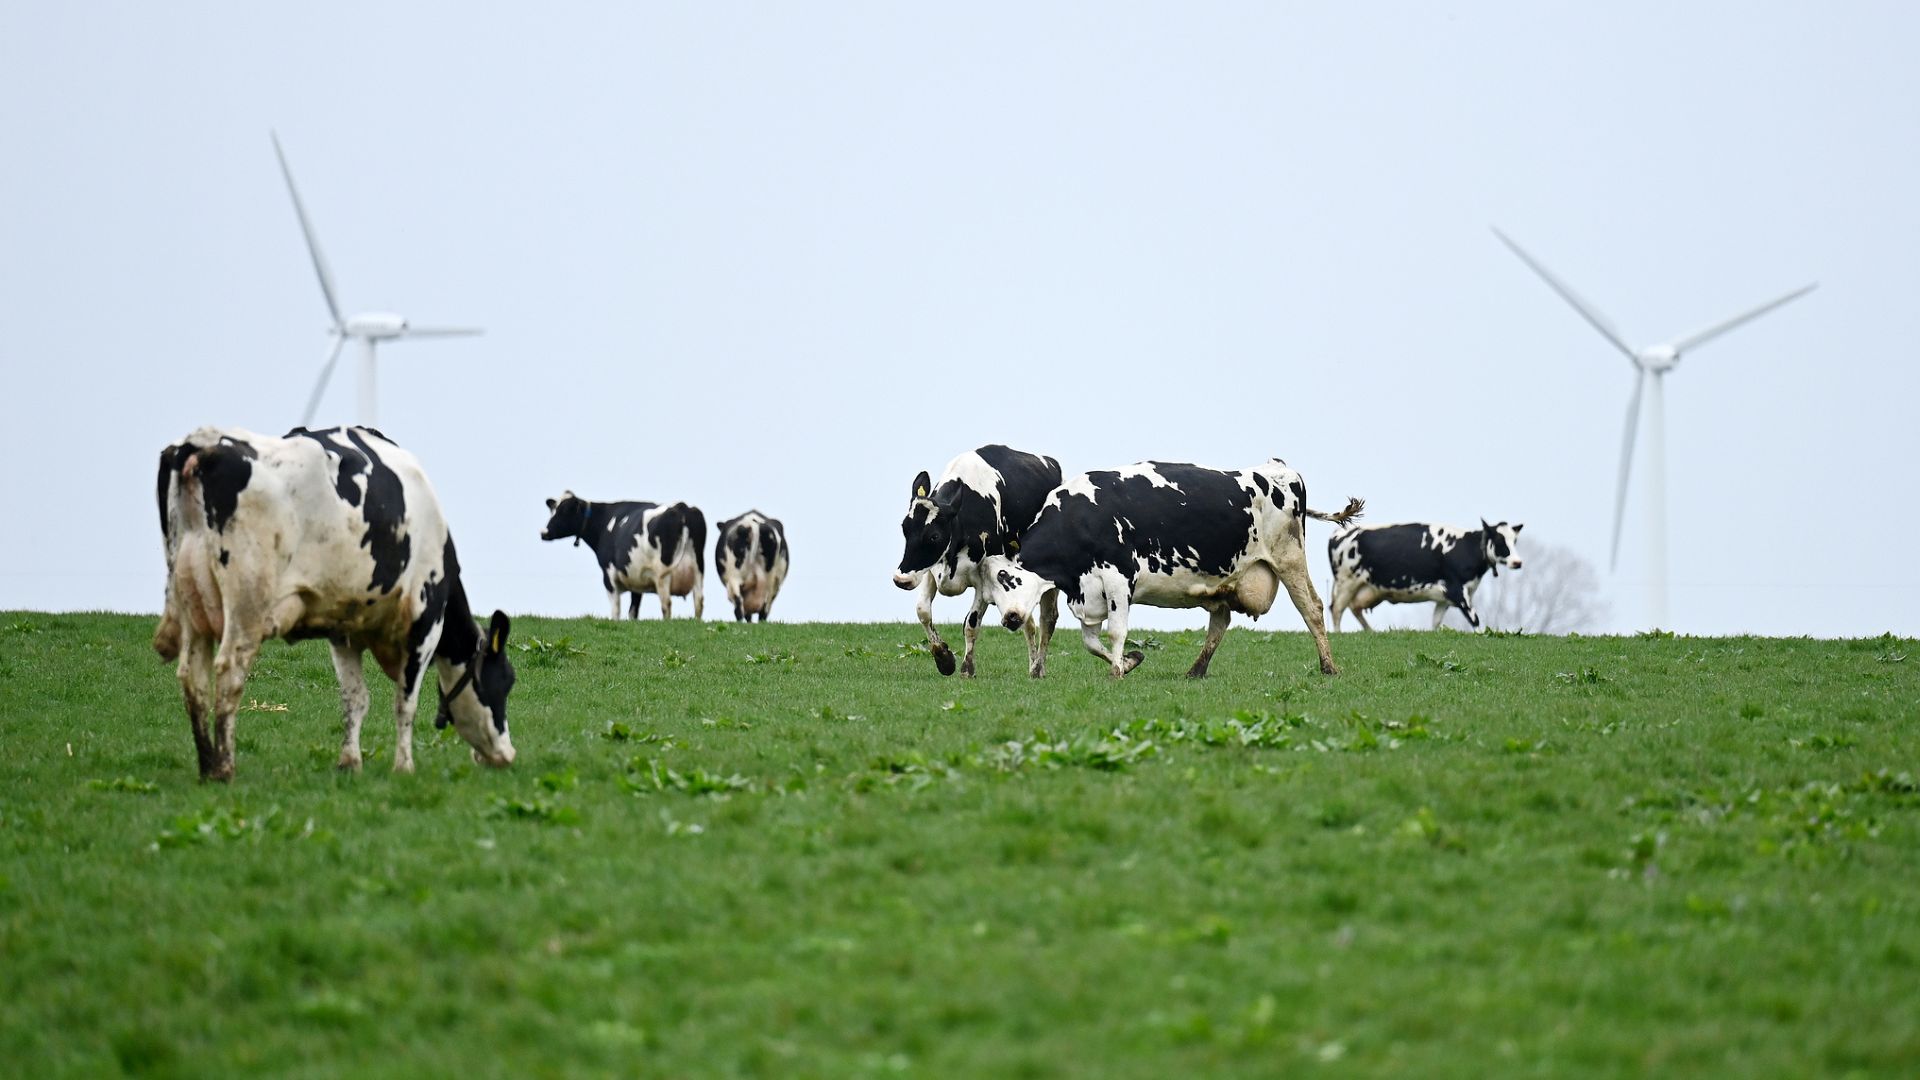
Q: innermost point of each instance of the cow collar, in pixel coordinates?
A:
(445, 715)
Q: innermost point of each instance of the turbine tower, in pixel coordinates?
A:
(1655, 361)
(368, 329)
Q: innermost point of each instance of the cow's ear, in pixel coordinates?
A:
(1484, 527)
(550, 504)
(922, 484)
(497, 633)
(1517, 528)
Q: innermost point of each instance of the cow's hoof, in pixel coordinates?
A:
(966, 668)
(1133, 659)
(348, 763)
(1327, 668)
(943, 659)
(1197, 671)
(219, 774)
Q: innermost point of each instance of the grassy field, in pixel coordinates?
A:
(796, 850)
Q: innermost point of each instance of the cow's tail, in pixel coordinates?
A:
(1355, 507)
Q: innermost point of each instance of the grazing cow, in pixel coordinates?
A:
(333, 534)
(641, 546)
(750, 554)
(984, 501)
(1405, 564)
(1167, 535)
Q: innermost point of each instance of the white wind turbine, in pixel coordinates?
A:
(1654, 360)
(368, 329)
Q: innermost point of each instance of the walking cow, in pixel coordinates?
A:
(1167, 535)
(1413, 563)
(982, 505)
(641, 546)
(750, 554)
(333, 534)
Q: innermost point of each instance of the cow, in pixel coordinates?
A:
(1166, 535)
(750, 554)
(1412, 563)
(641, 546)
(984, 501)
(334, 534)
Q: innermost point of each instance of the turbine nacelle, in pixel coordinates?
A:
(378, 325)
(1658, 359)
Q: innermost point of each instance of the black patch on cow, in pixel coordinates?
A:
(169, 464)
(383, 506)
(965, 521)
(385, 512)
(224, 553)
(223, 471)
(1201, 523)
(435, 597)
(696, 523)
(734, 538)
(773, 543)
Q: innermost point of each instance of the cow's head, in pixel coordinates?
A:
(568, 518)
(1500, 542)
(927, 529)
(473, 696)
(1012, 588)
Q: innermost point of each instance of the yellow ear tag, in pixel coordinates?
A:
(920, 493)
(1013, 545)
(495, 645)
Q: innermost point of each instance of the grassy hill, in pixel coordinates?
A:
(796, 850)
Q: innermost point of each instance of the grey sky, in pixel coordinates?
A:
(786, 255)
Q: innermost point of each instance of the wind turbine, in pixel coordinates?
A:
(1655, 361)
(368, 329)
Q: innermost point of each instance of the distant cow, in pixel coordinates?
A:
(1412, 563)
(332, 534)
(1167, 535)
(750, 555)
(642, 547)
(984, 501)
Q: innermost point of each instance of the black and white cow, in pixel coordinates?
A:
(642, 547)
(1412, 563)
(750, 555)
(1167, 535)
(984, 501)
(333, 534)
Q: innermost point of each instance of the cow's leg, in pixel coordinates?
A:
(1359, 613)
(1459, 598)
(406, 696)
(238, 647)
(664, 590)
(613, 598)
(1217, 619)
(1299, 585)
(1039, 629)
(1122, 660)
(1439, 613)
(1343, 590)
(196, 683)
(699, 597)
(353, 701)
(971, 630)
(923, 607)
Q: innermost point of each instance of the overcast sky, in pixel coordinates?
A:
(787, 255)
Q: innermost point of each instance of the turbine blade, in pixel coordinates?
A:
(1626, 465)
(441, 331)
(1699, 338)
(326, 373)
(313, 243)
(1587, 311)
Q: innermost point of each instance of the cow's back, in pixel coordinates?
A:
(342, 520)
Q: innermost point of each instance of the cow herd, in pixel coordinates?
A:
(1006, 525)
(337, 534)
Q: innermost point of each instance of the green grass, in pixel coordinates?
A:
(796, 850)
